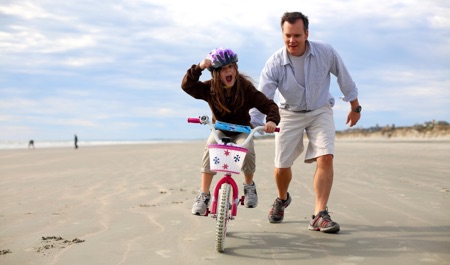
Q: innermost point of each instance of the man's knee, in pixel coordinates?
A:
(325, 158)
(282, 171)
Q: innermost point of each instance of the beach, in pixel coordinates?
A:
(130, 204)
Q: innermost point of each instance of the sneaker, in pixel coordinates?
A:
(276, 214)
(323, 223)
(201, 204)
(251, 197)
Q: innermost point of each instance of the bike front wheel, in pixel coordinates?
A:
(223, 216)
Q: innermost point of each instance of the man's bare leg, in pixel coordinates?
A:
(283, 178)
(323, 181)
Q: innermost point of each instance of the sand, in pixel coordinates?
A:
(131, 205)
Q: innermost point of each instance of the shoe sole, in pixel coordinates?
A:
(198, 214)
(333, 229)
(274, 221)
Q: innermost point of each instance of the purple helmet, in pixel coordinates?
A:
(220, 57)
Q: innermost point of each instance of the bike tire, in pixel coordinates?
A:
(223, 216)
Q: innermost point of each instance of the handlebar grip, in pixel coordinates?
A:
(193, 120)
(277, 129)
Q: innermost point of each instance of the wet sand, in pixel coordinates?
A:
(131, 205)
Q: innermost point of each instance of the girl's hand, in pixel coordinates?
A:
(205, 64)
(270, 127)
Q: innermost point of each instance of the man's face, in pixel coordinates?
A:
(295, 37)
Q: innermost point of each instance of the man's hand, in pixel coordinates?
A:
(353, 118)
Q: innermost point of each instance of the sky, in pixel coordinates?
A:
(112, 69)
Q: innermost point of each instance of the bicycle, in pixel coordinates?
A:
(227, 157)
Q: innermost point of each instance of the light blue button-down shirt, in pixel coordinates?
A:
(278, 76)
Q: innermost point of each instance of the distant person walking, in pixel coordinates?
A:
(31, 144)
(76, 142)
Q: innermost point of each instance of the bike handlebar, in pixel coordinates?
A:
(205, 121)
(194, 120)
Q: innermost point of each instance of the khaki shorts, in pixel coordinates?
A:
(248, 167)
(319, 128)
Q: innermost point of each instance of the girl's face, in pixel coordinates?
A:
(228, 75)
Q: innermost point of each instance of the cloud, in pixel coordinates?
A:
(25, 9)
(117, 66)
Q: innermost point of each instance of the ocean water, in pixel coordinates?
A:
(70, 144)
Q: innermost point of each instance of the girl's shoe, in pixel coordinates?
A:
(201, 204)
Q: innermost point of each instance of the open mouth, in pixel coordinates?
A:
(229, 78)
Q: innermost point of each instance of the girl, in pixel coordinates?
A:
(230, 95)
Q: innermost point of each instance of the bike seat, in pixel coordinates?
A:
(226, 140)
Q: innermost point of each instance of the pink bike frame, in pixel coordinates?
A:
(228, 176)
(226, 179)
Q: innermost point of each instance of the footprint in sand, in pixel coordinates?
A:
(163, 253)
(5, 251)
(55, 242)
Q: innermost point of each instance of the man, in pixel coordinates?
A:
(300, 73)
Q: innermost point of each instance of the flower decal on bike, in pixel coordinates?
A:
(226, 158)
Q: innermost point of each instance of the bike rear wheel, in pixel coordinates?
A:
(223, 216)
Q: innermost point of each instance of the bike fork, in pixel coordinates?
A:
(227, 179)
